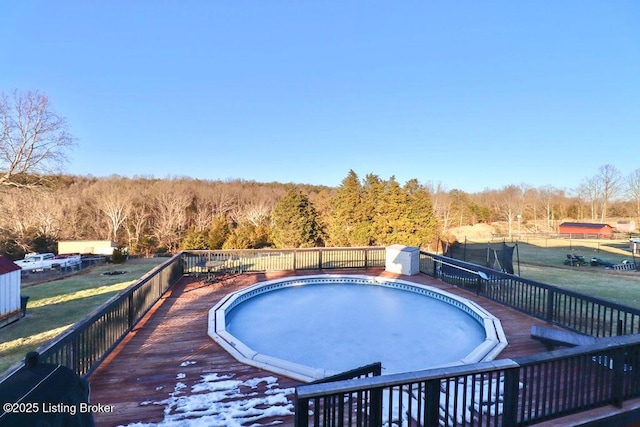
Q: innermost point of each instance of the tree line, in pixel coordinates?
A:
(150, 215)
(39, 206)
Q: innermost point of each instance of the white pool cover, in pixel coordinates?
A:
(310, 327)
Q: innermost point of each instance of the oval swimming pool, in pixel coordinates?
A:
(313, 326)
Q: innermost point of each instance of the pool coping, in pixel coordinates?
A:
(488, 350)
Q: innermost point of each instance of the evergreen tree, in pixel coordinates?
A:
(390, 216)
(295, 222)
(218, 232)
(422, 222)
(195, 239)
(346, 214)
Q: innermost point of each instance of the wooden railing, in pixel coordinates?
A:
(255, 260)
(505, 392)
(571, 310)
(372, 400)
(89, 341)
(83, 346)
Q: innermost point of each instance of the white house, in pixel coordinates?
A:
(10, 308)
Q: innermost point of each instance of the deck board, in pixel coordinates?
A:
(146, 365)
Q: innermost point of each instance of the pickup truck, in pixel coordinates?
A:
(47, 261)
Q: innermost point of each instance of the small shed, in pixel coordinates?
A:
(586, 230)
(10, 305)
(626, 226)
(94, 247)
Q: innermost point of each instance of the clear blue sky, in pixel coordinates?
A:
(470, 94)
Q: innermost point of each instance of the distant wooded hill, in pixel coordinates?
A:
(150, 215)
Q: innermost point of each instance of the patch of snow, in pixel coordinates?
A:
(218, 400)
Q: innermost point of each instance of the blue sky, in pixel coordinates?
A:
(473, 95)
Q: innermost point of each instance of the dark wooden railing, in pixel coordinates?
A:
(505, 392)
(256, 260)
(571, 310)
(89, 341)
(371, 400)
(83, 346)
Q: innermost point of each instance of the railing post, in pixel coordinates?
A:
(510, 397)
(294, 260)
(432, 403)
(366, 258)
(319, 259)
(130, 311)
(617, 394)
(301, 406)
(550, 297)
(376, 408)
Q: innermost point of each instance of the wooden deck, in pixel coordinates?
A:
(170, 356)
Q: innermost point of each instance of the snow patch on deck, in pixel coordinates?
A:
(221, 400)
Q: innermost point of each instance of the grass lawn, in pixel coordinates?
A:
(543, 261)
(620, 287)
(56, 305)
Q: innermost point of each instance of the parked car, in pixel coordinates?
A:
(47, 261)
(66, 260)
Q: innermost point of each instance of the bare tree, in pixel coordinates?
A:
(633, 189)
(610, 179)
(591, 191)
(170, 203)
(48, 214)
(548, 196)
(33, 139)
(257, 213)
(138, 224)
(441, 202)
(16, 216)
(114, 200)
(508, 205)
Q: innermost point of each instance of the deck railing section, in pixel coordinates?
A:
(368, 404)
(505, 392)
(258, 260)
(571, 310)
(89, 341)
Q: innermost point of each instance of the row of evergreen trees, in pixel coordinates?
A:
(360, 213)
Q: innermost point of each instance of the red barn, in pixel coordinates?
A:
(586, 230)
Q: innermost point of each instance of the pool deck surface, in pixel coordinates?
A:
(169, 352)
